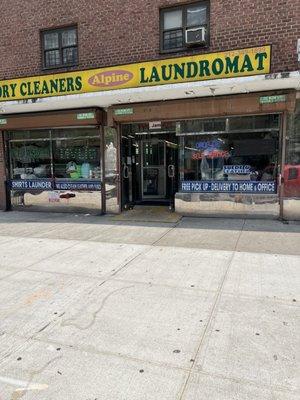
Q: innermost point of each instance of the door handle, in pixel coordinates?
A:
(125, 172)
(171, 171)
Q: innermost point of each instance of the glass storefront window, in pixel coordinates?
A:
(58, 168)
(77, 158)
(195, 126)
(74, 133)
(62, 153)
(30, 159)
(233, 149)
(292, 164)
(243, 156)
(37, 134)
(144, 129)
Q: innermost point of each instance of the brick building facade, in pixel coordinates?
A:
(130, 31)
(127, 31)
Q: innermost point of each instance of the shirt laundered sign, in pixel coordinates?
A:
(54, 184)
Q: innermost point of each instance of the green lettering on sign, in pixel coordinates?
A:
(3, 121)
(124, 111)
(272, 99)
(90, 115)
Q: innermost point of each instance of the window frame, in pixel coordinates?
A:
(184, 8)
(60, 48)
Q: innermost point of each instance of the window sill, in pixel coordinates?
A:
(60, 67)
(186, 49)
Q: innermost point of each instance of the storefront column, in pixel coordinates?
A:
(112, 173)
(2, 175)
(102, 163)
(291, 193)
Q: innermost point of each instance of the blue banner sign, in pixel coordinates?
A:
(237, 169)
(54, 184)
(256, 187)
(78, 185)
(31, 184)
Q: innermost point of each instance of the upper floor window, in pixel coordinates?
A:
(184, 26)
(60, 47)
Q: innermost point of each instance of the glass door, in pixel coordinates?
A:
(153, 169)
(126, 170)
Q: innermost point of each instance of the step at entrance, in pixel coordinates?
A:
(149, 214)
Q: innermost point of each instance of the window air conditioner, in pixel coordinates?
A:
(195, 35)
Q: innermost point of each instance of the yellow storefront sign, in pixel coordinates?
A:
(228, 64)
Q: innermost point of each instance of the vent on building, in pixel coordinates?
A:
(195, 35)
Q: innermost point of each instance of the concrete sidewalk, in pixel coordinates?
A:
(97, 308)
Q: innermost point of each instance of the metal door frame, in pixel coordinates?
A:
(129, 178)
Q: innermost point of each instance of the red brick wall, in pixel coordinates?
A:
(124, 31)
(2, 176)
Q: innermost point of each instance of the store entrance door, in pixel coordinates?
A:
(149, 170)
(153, 169)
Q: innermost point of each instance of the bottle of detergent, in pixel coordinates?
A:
(86, 170)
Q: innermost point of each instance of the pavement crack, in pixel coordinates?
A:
(71, 321)
(143, 252)
(44, 327)
(166, 233)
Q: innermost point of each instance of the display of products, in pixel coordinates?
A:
(74, 158)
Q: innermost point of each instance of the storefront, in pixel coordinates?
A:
(222, 156)
(172, 132)
(54, 161)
